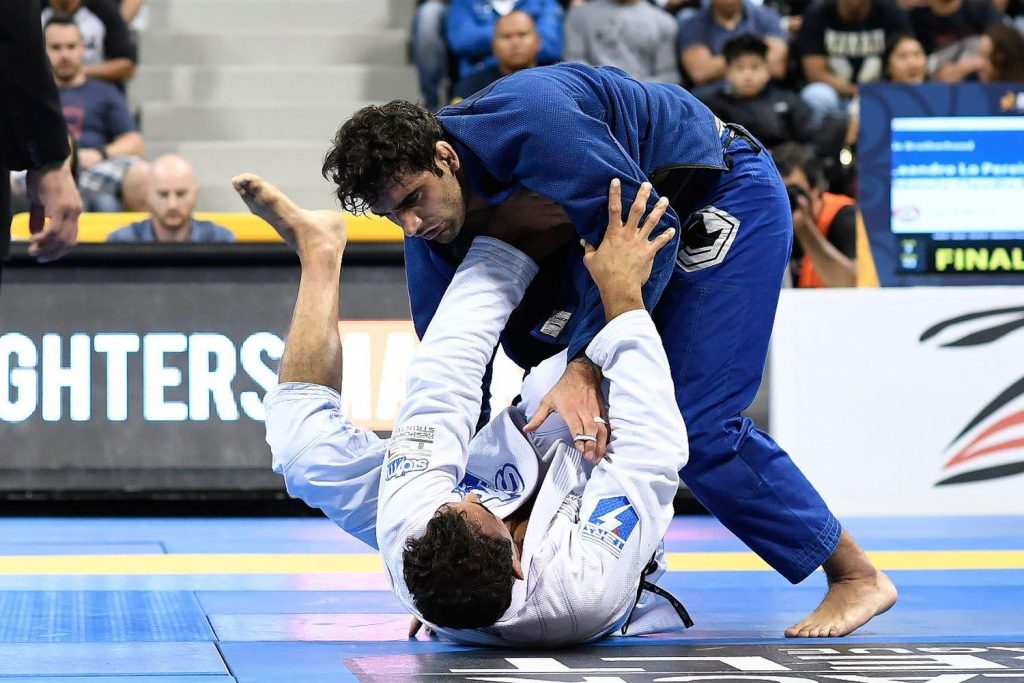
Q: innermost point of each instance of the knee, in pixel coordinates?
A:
(103, 202)
(822, 98)
(428, 22)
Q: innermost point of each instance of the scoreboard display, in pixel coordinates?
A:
(942, 183)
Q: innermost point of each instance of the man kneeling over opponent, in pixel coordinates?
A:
(502, 538)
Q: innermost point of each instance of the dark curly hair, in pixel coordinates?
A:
(376, 146)
(458, 577)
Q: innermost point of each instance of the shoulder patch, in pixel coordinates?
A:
(611, 524)
(409, 451)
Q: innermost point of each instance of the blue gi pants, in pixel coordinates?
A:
(716, 323)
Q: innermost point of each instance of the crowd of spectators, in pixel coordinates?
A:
(91, 45)
(787, 70)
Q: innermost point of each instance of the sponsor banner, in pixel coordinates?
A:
(195, 376)
(375, 356)
(112, 374)
(904, 402)
(719, 663)
(942, 163)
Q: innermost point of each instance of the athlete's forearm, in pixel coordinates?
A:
(312, 353)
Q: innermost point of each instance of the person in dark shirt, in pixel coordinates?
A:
(773, 115)
(172, 198)
(516, 45)
(703, 35)
(840, 44)
(109, 51)
(824, 224)
(109, 146)
(950, 32)
(33, 137)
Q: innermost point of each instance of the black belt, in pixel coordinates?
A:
(646, 585)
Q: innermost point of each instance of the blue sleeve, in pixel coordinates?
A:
(426, 281)
(768, 22)
(549, 26)
(543, 140)
(691, 32)
(469, 32)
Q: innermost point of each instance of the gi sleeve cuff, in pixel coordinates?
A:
(302, 391)
(504, 254)
(628, 326)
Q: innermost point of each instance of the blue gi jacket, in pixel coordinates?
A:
(565, 131)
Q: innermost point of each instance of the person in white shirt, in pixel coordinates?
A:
(551, 549)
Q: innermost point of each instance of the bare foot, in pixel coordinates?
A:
(305, 231)
(857, 592)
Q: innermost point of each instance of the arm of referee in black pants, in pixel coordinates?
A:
(33, 135)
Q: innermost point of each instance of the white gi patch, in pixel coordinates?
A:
(556, 323)
(570, 507)
(706, 238)
(409, 451)
(611, 524)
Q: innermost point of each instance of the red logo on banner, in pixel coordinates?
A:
(996, 450)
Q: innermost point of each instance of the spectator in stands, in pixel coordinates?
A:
(109, 51)
(33, 137)
(630, 34)
(702, 37)
(841, 44)
(470, 30)
(824, 224)
(674, 6)
(516, 46)
(773, 115)
(97, 114)
(950, 31)
(1002, 54)
(430, 50)
(905, 60)
(172, 198)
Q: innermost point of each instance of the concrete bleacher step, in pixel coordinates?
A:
(281, 161)
(325, 46)
(201, 15)
(296, 121)
(272, 83)
(222, 197)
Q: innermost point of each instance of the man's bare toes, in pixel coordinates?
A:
(246, 183)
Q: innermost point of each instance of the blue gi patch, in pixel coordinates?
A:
(611, 524)
(508, 485)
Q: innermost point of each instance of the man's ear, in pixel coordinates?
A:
(517, 568)
(446, 154)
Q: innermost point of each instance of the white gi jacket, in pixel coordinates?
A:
(592, 531)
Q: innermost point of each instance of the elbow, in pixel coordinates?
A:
(122, 69)
(699, 74)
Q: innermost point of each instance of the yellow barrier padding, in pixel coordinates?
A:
(94, 227)
(179, 564)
